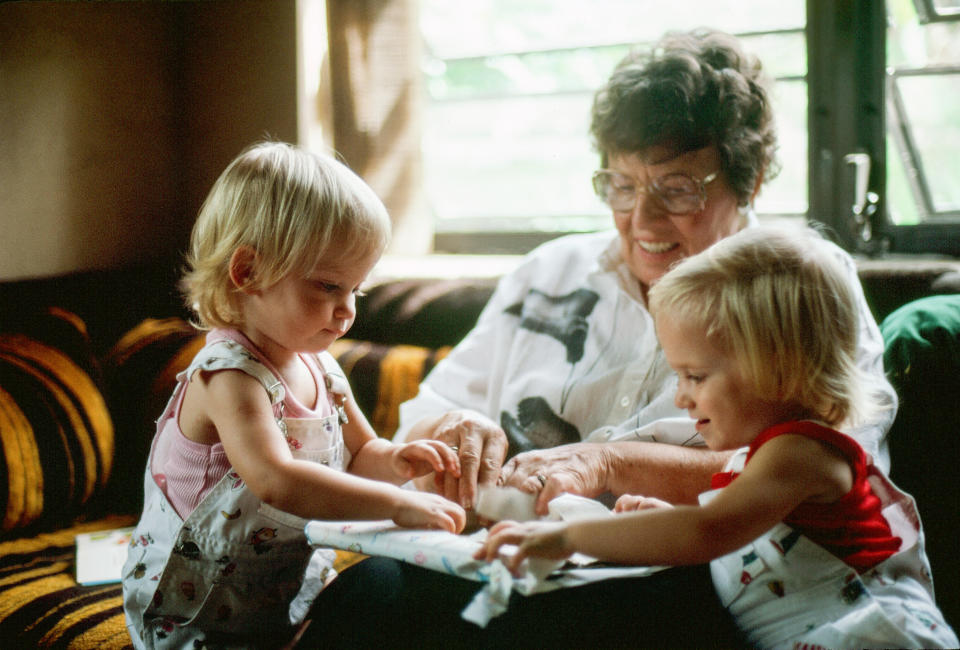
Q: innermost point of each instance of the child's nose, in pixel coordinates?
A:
(347, 308)
(682, 399)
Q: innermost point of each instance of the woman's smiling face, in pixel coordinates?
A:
(651, 238)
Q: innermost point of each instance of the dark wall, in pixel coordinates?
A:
(115, 118)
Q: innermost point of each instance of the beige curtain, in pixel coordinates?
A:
(376, 90)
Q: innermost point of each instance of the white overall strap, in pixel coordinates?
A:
(230, 355)
(738, 461)
(336, 382)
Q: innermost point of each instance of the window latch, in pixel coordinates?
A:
(864, 201)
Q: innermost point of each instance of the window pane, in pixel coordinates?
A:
(524, 73)
(511, 157)
(902, 201)
(787, 192)
(480, 27)
(923, 118)
(509, 89)
(932, 106)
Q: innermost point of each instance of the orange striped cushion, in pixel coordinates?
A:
(139, 374)
(384, 376)
(41, 604)
(57, 435)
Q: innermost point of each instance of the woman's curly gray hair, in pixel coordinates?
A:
(688, 91)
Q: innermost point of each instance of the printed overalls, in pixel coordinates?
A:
(237, 572)
(785, 591)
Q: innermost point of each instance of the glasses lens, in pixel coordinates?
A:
(616, 190)
(679, 193)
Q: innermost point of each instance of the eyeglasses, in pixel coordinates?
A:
(678, 193)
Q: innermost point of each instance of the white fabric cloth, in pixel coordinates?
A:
(452, 554)
(787, 592)
(565, 350)
(235, 570)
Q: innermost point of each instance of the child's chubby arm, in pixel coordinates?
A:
(383, 460)
(785, 472)
(239, 410)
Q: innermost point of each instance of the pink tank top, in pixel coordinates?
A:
(189, 469)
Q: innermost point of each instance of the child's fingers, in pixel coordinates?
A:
(449, 456)
(634, 502)
(514, 561)
(432, 455)
(417, 455)
(457, 516)
(441, 457)
(505, 532)
(447, 515)
(446, 522)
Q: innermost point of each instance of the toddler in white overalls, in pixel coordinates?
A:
(810, 545)
(262, 431)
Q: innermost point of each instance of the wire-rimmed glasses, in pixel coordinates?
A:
(678, 193)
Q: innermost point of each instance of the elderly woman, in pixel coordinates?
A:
(565, 350)
(563, 373)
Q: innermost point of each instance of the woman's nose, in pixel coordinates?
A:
(647, 208)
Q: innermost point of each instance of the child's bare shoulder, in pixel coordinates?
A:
(213, 395)
(795, 454)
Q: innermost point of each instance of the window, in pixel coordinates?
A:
(923, 112)
(866, 97)
(885, 124)
(509, 85)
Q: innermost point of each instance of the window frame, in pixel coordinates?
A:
(928, 12)
(851, 97)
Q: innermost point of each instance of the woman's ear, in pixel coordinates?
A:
(242, 265)
(756, 187)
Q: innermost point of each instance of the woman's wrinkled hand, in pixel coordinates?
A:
(481, 446)
(579, 468)
(544, 539)
(634, 502)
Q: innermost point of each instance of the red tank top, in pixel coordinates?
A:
(853, 527)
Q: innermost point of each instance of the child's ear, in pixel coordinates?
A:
(242, 264)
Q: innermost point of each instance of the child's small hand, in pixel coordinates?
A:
(421, 457)
(633, 502)
(425, 510)
(546, 539)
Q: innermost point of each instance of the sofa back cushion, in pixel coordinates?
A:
(56, 434)
(383, 377)
(139, 374)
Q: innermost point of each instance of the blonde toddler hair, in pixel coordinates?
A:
(779, 303)
(288, 205)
